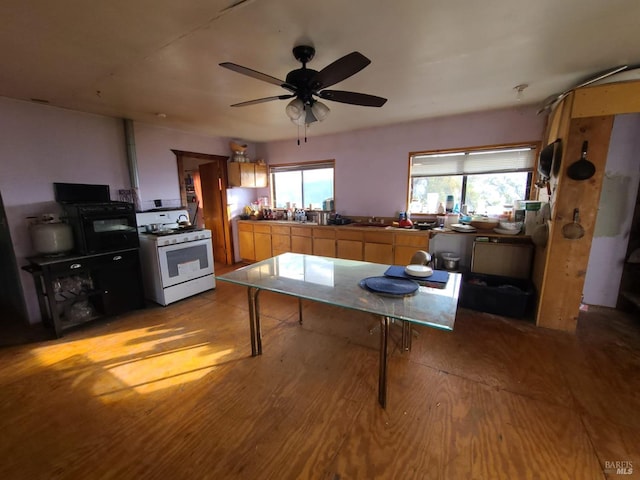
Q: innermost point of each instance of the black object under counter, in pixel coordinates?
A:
(75, 289)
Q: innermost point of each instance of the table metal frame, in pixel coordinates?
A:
(428, 306)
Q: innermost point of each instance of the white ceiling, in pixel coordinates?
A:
(138, 58)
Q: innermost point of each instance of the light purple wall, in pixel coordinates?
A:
(40, 145)
(615, 213)
(157, 163)
(372, 165)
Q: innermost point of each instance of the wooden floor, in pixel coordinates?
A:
(173, 393)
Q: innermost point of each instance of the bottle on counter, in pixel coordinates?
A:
(449, 204)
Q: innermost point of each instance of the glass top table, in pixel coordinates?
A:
(337, 282)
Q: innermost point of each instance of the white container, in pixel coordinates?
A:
(450, 260)
(451, 219)
(530, 221)
(51, 238)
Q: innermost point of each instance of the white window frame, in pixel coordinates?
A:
(297, 167)
(469, 161)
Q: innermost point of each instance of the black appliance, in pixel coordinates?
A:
(81, 193)
(102, 227)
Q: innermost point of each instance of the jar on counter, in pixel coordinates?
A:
(50, 236)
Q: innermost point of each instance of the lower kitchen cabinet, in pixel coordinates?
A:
(378, 247)
(349, 244)
(301, 241)
(324, 242)
(73, 290)
(405, 245)
(262, 241)
(246, 244)
(280, 239)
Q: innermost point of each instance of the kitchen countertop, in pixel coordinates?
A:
(386, 227)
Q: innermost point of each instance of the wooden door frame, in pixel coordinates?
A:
(228, 236)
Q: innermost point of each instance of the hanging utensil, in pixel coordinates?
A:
(573, 230)
(583, 169)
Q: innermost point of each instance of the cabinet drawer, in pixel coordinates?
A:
(301, 231)
(245, 227)
(323, 232)
(68, 268)
(412, 240)
(262, 228)
(378, 237)
(117, 258)
(356, 235)
(280, 230)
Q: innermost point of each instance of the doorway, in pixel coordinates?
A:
(203, 188)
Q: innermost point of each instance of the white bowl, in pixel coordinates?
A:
(511, 226)
(418, 270)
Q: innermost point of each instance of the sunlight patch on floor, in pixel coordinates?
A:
(156, 358)
(148, 374)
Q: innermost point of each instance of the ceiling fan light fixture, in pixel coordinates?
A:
(320, 111)
(295, 110)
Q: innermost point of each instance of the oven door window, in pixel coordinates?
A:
(112, 225)
(185, 261)
(107, 233)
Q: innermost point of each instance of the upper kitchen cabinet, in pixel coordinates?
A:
(251, 175)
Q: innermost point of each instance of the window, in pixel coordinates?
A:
(483, 179)
(303, 185)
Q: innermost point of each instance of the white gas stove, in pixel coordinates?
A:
(176, 262)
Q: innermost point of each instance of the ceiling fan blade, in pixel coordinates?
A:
(353, 98)
(262, 100)
(258, 76)
(340, 69)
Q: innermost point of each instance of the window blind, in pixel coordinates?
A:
(301, 166)
(469, 163)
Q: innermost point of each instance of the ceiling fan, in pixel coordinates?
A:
(305, 84)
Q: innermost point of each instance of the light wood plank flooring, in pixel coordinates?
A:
(173, 393)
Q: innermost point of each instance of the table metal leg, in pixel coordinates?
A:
(300, 311)
(254, 321)
(382, 376)
(406, 336)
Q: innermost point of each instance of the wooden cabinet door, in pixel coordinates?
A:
(301, 244)
(402, 254)
(378, 253)
(247, 246)
(247, 175)
(349, 249)
(280, 239)
(280, 243)
(406, 245)
(325, 247)
(262, 245)
(260, 175)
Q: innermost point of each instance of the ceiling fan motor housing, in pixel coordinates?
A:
(303, 79)
(303, 53)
